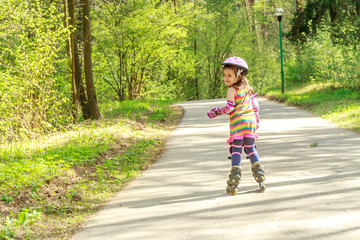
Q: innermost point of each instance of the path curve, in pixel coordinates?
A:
(312, 192)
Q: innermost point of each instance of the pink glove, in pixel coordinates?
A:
(214, 112)
(219, 111)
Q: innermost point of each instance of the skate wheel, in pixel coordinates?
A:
(262, 187)
(235, 192)
(232, 191)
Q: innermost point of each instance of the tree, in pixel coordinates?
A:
(78, 91)
(137, 43)
(222, 32)
(90, 88)
(32, 37)
(86, 98)
(311, 15)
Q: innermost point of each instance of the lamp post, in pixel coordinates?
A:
(279, 12)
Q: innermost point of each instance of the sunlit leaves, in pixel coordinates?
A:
(31, 45)
(137, 42)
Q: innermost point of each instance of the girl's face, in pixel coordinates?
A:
(229, 77)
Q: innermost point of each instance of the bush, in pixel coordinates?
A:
(31, 102)
(320, 60)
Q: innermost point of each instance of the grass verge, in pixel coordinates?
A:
(338, 105)
(50, 185)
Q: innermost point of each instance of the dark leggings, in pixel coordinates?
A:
(249, 148)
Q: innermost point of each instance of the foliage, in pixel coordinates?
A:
(183, 59)
(146, 50)
(325, 100)
(136, 42)
(15, 222)
(29, 84)
(310, 15)
(322, 61)
(53, 181)
(141, 49)
(232, 28)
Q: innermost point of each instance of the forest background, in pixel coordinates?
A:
(86, 88)
(162, 50)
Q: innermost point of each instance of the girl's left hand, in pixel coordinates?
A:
(214, 112)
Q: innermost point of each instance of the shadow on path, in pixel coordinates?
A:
(312, 191)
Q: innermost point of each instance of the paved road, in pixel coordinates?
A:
(312, 192)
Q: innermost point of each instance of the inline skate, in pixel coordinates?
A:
(234, 180)
(259, 175)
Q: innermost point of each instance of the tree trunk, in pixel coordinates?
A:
(197, 69)
(175, 6)
(66, 25)
(252, 21)
(77, 82)
(71, 52)
(265, 25)
(248, 14)
(299, 8)
(90, 88)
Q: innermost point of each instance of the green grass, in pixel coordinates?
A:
(338, 105)
(50, 185)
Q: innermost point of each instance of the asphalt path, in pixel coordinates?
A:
(312, 178)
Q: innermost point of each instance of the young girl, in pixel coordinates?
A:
(244, 120)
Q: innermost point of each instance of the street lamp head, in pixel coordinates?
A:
(279, 12)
